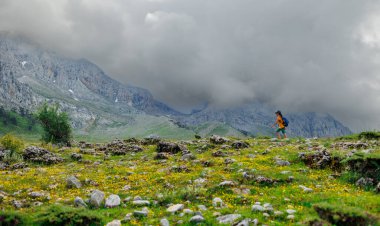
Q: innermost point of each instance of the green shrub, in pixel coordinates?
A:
(344, 215)
(13, 144)
(56, 125)
(59, 215)
(11, 219)
(369, 135)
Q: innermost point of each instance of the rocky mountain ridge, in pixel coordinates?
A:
(31, 75)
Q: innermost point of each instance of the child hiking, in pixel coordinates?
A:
(282, 123)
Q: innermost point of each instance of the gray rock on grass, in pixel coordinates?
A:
(73, 182)
(97, 198)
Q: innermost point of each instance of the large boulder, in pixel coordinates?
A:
(96, 198)
(40, 155)
(169, 147)
(215, 139)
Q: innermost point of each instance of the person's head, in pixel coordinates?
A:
(278, 113)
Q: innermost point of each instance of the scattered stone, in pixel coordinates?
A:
(38, 204)
(164, 222)
(229, 161)
(258, 207)
(377, 189)
(228, 219)
(264, 180)
(280, 162)
(278, 213)
(227, 183)
(180, 169)
(76, 156)
(217, 202)
(141, 213)
(35, 194)
(290, 211)
(17, 204)
(266, 215)
(141, 203)
(306, 189)
(96, 198)
(114, 223)
(78, 202)
(112, 201)
(244, 222)
(215, 139)
(364, 182)
(168, 147)
(175, 208)
(240, 144)
(197, 219)
(188, 157)
(218, 153)
(21, 165)
(255, 222)
(290, 217)
(202, 207)
(73, 182)
(40, 155)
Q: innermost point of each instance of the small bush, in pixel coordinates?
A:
(11, 219)
(344, 215)
(12, 143)
(62, 215)
(369, 135)
(56, 125)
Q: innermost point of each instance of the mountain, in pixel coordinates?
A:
(256, 118)
(100, 106)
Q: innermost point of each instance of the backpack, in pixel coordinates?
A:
(286, 121)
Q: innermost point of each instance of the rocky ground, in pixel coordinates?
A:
(206, 181)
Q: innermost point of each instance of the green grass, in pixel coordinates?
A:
(155, 181)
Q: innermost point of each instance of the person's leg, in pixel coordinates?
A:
(278, 133)
(284, 132)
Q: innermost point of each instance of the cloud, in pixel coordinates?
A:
(307, 55)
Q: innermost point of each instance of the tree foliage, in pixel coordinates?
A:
(56, 124)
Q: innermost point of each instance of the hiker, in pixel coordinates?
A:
(281, 125)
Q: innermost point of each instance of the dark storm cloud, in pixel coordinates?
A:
(296, 55)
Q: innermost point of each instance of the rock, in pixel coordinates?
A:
(280, 162)
(228, 219)
(112, 201)
(114, 223)
(290, 217)
(17, 204)
(256, 208)
(168, 147)
(35, 194)
(218, 153)
(306, 189)
(377, 189)
(76, 156)
(264, 180)
(128, 217)
(161, 155)
(180, 169)
(202, 207)
(188, 157)
(227, 184)
(188, 211)
(73, 182)
(268, 207)
(239, 144)
(40, 155)
(278, 213)
(197, 219)
(217, 202)
(290, 211)
(175, 208)
(164, 222)
(255, 222)
(141, 213)
(229, 161)
(215, 139)
(141, 203)
(364, 182)
(78, 202)
(244, 222)
(21, 165)
(37, 204)
(266, 215)
(96, 198)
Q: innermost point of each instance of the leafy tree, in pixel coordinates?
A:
(56, 125)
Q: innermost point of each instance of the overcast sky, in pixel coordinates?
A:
(298, 55)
